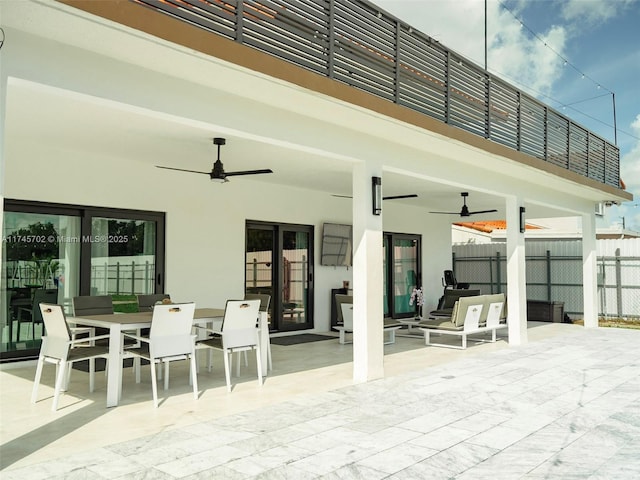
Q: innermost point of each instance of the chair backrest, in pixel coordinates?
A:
(451, 296)
(340, 299)
(170, 332)
(92, 305)
(41, 295)
(20, 293)
(240, 323)
(147, 302)
(495, 311)
(265, 300)
(347, 315)
(8, 296)
(56, 342)
(488, 300)
(494, 306)
(467, 312)
(449, 279)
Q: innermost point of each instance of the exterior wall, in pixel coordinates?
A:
(205, 222)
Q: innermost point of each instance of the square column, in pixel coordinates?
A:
(3, 110)
(516, 274)
(589, 270)
(368, 313)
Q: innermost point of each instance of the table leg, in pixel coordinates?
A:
(264, 342)
(114, 374)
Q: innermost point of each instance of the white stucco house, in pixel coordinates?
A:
(95, 95)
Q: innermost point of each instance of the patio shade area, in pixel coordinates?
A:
(564, 404)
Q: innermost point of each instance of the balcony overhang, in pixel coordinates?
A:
(152, 22)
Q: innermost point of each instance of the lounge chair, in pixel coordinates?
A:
(389, 325)
(466, 320)
(450, 297)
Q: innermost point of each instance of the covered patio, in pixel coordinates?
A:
(98, 117)
(93, 103)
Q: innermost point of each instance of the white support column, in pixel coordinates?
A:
(368, 344)
(516, 275)
(589, 270)
(3, 111)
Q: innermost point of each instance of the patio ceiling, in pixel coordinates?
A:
(68, 123)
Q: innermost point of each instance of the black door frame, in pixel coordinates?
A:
(390, 259)
(86, 213)
(277, 282)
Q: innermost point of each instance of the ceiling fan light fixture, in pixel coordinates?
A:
(217, 174)
(464, 211)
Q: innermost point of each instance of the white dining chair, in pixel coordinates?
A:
(239, 333)
(170, 339)
(265, 300)
(347, 322)
(58, 347)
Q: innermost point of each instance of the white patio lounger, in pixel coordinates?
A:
(465, 320)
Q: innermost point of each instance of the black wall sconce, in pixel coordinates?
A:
(376, 192)
(522, 220)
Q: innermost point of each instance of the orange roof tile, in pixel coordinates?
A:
(491, 225)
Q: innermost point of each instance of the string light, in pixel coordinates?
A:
(565, 106)
(566, 62)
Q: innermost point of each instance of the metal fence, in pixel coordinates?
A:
(122, 278)
(357, 43)
(554, 273)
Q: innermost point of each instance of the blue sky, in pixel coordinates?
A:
(599, 39)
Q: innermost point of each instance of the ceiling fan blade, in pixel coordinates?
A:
(447, 213)
(482, 211)
(183, 170)
(393, 197)
(396, 197)
(248, 172)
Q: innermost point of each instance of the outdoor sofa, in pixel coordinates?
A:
(474, 315)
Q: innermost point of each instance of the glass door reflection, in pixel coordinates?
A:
(40, 263)
(123, 259)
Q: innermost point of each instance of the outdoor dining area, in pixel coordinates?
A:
(163, 332)
(159, 333)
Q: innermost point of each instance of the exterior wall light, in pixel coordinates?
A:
(376, 192)
(522, 220)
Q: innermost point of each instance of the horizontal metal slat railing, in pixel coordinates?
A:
(354, 42)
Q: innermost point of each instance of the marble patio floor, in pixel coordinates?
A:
(564, 406)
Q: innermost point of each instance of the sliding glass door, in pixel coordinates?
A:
(54, 252)
(41, 262)
(123, 256)
(401, 273)
(279, 262)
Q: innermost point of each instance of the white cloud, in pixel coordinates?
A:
(519, 57)
(457, 25)
(593, 11)
(514, 54)
(534, 66)
(630, 173)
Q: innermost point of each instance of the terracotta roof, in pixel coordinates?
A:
(491, 225)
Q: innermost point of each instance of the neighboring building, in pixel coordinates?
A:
(563, 228)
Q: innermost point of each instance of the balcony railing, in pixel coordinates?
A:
(353, 42)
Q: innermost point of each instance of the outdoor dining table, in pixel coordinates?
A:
(119, 322)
